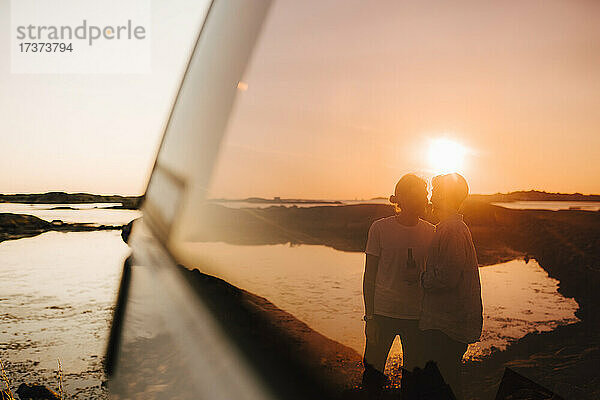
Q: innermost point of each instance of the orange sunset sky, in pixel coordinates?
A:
(342, 98)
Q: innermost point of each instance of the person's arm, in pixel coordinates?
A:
(445, 270)
(371, 265)
(373, 252)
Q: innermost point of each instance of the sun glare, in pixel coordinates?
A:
(446, 156)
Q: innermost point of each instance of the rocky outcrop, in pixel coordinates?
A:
(534, 195)
(128, 202)
(18, 226)
(36, 392)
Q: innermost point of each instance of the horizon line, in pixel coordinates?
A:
(75, 193)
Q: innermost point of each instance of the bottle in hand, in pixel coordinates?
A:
(412, 272)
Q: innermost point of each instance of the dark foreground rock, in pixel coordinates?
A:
(272, 337)
(36, 392)
(565, 361)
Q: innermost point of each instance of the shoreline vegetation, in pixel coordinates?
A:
(565, 243)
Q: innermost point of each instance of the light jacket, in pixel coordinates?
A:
(452, 289)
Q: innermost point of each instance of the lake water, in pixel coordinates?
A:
(58, 290)
(56, 298)
(551, 205)
(92, 213)
(518, 205)
(323, 287)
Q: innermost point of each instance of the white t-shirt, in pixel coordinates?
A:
(395, 296)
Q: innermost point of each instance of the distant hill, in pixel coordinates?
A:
(534, 195)
(129, 202)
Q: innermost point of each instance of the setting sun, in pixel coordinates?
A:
(445, 156)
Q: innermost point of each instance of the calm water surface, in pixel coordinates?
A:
(56, 298)
(92, 213)
(323, 287)
(519, 205)
(551, 205)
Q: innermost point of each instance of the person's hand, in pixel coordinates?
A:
(372, 330)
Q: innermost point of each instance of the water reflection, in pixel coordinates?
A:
(90, 213)
(323, 288)
(551, 205)
(58, 290)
